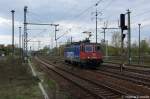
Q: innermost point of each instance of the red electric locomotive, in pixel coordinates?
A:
(84, 53)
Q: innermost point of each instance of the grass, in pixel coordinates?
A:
(16, 81)
(51, 84)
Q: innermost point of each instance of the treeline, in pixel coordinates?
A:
(8, 51)
(114, 49)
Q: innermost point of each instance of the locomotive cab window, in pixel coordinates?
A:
(89, 48)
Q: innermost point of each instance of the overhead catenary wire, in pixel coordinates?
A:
(36, 16)
(84, 11)
(87, 9)
(38, 19)
(138, 15)
(107, 6)
(141, 14)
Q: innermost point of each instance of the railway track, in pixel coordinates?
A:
(129, 68)
(141, 79)
(140, 70)
(131, 65)
(98, 91)
(128, 76)
(125, 90)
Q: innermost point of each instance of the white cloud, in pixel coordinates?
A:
(64, 12)
(4, 22)
(5, 39)
(7, 22)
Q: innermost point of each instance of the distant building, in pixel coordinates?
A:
(2, 50)
(9, 46)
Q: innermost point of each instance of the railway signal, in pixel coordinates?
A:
(124, 27)
(122, 22)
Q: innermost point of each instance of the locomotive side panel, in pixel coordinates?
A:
(72, 53)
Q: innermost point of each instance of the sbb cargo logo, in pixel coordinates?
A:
(70, 54)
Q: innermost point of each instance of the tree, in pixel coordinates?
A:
(134, 48)
(116, 38)
(144, 46)
(45, 50)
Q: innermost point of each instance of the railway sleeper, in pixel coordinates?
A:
(134, 80)
(125, 73)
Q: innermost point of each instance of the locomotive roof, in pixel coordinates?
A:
(78, 43)
(86, 41)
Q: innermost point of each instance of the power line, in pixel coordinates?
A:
(84, 11)
(87, 9)
(36, 16)
(106, 7)
(141, 14)
(98, 2)
(138, 15)
(39, 33)
(136, 22)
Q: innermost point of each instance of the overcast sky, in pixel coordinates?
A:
(73, 16)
